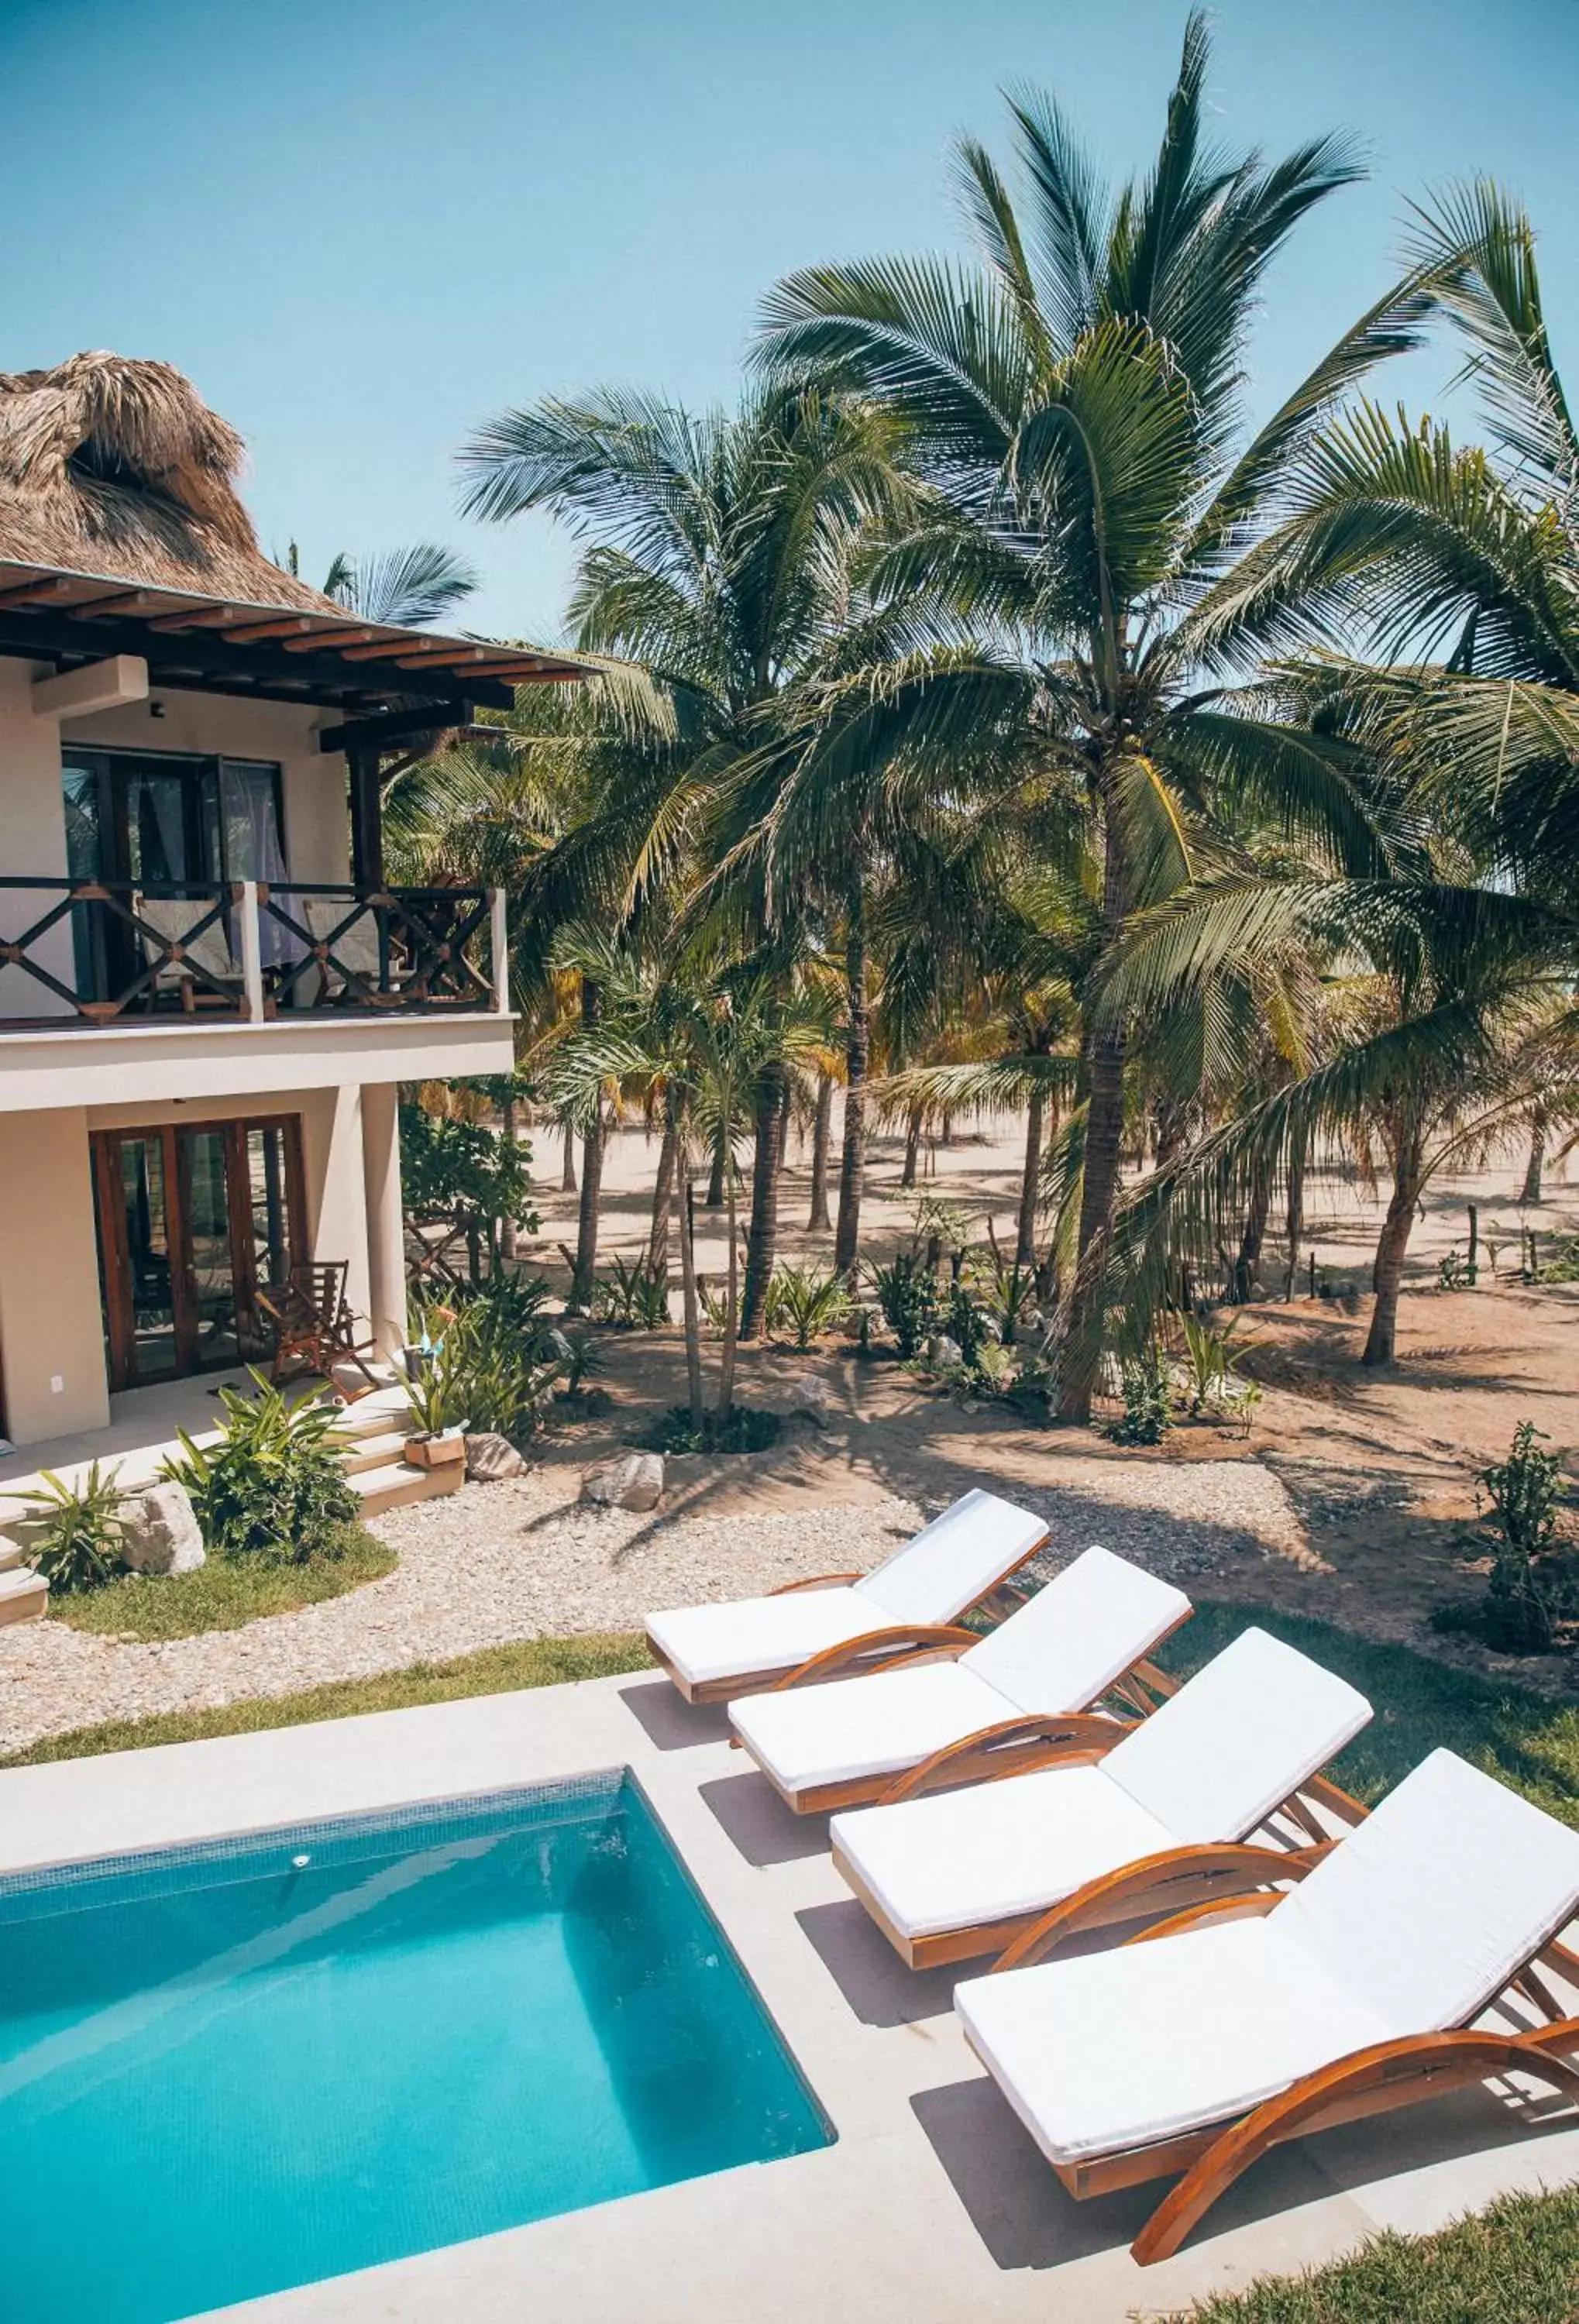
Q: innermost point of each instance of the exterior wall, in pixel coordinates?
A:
(50, 1321)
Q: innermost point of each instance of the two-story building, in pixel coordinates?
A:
(209, 995)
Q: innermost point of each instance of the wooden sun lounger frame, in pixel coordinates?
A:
(872, 1650)
(1379, 2080)
(1167, 1882)
(1009, 1747)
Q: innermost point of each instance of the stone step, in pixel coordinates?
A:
(372, 1453)
(12, 1553)
(400, 1482)
(24, 1597)
(374, 1415)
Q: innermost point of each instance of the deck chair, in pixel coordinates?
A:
(994, 1703)
(209, 952)
(1160, 1820)
(1246, 2021)
(843, 1622)
(315, 1328)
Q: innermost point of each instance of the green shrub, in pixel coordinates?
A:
(807, 1302)
(1534, 1586)
(81, 1534)
(1208, 1364)
(1148, 1412)
(741, 1430)
(272, 1485)
(635, 1297)
(908, 1293)
(491, 1362)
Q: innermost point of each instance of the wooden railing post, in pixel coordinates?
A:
(252, 953)
(499, 948)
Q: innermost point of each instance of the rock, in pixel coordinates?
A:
(945, 1355)
(489, 1459)
(161, 1533)
(631, 1480)
(814, 1396)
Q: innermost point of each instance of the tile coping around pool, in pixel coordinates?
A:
(931, 2207)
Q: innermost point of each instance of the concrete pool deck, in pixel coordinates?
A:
(931, 2208)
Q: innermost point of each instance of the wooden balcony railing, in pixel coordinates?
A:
(99, 952)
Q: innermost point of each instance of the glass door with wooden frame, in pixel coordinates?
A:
(194, 1218)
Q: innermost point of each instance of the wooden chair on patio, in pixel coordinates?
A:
(315, 1327)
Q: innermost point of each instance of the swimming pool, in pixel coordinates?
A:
(235, 2067)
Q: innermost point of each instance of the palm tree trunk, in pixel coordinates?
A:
(1296, 1215)
(1030, 1183)
(658, 1238)
(690, 1304)
(1104, 1130)
(1538, 1154)
(857, 1053)
(763, 1241)
(822, 1127)
(912, 1147)
(1242, 1274)
(567, 1174)
(713, 1200)
(507, 1236)
(591, 1173)
(731, 1308)
(1389, 1272)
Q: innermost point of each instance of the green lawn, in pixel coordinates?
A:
(221, 1594)
(1517, 2263)
(537, 1661)
(1526, 1739)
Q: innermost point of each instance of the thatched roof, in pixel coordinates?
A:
(114, 466)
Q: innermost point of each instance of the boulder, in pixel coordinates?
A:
(489, 1459)
(944, 1354)
(631, 1480)
(161, 1533)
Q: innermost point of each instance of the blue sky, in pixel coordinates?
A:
(363, 226)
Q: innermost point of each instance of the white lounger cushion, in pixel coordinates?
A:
(1432, 1902)
(1452, 1883)
(1211, 1763)
(1056, 1654)
(1115, 2048)
(878, 1724)
(959, 1859)
(933, 1578)
(1245, 1732)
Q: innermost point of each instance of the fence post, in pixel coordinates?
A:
(499, 948)
(252, 953)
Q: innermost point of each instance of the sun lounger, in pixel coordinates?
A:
(1244, 2021)
(992, 1705)
(843, 1622)
(1154, 1824)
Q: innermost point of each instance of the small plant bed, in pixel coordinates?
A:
(229, 1591)
(1516, 2262)
(741, 1430)
(491, 1670)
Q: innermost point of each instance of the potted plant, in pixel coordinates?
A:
(438, 1438)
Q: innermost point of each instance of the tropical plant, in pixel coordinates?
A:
(907, 1294)
(78, 1537)
(467, 1174)
(408, 588)
(632, 1296)
(1534, 1583)
(1148, 1412)
(491, 1361)
(807, 1300)
(1209, 1353)
(1083, 573)
(272, 1485)
(740, 1429)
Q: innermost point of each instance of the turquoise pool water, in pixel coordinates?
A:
(249, 2064)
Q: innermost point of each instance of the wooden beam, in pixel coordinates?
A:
(283, 625)
(202, 617)
(331, 640)
(35, 593)
(394, 726)
(366, 820)
(118, 601)
(439, 650)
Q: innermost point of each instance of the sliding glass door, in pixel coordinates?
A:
(194, 1218)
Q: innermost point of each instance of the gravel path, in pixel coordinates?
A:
(525, 1560)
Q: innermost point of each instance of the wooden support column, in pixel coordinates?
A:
(366, 817)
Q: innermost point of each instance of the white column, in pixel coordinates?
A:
(386, 1241)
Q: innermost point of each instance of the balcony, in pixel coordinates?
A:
(98, 955)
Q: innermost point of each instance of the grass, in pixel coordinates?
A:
(1525, 1739)
(221, 1594)
(1517, 2263)
(494, 1670)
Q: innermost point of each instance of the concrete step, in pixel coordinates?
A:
(400, 1481)
(24, 1597)
(12, 1553)
(374, 1415)
(371, 1451)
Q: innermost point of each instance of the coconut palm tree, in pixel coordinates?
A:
(1076, 403)
(720, 552)
(409, 587)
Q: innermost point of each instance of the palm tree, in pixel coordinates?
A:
(1076, 404)
(720, 554)
(407, 587)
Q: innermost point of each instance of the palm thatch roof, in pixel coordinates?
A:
(114, 466)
